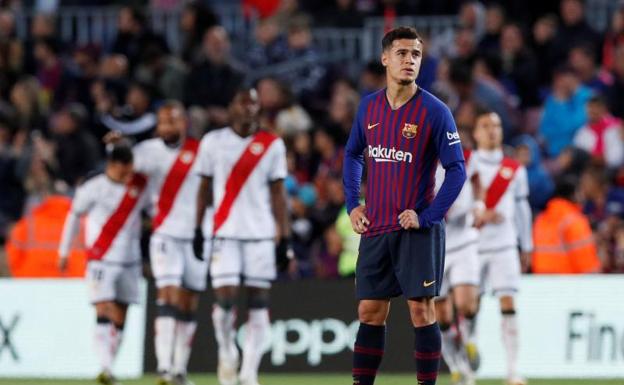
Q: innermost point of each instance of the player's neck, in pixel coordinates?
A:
(490, 149)
(114, 177)
(398, 94)
(244, 130)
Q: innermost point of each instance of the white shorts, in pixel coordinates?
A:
(113, 282)
(500, 271)
(174, 263)
(461, 267)
(253, 261)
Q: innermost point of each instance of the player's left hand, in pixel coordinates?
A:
(408, 219)
(525, 261)
(284, 254)
(198, 244)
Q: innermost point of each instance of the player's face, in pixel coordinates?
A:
(488, 131)
(245, 108)
(402, 61)
(171, 124)
(120, 172)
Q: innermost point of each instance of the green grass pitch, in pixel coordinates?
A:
(309, 379)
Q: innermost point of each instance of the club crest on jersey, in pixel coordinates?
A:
(256, 148)
(506, 173)
(133, 192)
(187, 157)
(410, 130)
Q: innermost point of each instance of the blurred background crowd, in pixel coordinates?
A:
(71, 72)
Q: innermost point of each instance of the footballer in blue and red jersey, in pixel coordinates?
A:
(400, 134)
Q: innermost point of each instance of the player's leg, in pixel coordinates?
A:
(193, 282)
(444, 315)
(225, 272)
(167, 268)
(376, 284)
(117, 315)
(418, 258)
(258, 273)
(505, 280)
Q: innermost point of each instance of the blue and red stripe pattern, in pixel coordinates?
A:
(400, 149)
(368, 353)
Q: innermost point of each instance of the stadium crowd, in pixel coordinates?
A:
(557, 84)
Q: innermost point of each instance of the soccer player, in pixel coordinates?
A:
(242, 170)
(505, 226)
(168, 161)
(112, 202)
(405, 131)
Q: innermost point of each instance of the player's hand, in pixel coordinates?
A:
(284, 254)
(112, 137)
(525, 261)
(487, 216)
(198, 244)
(408, 219)
(62, 264)
(359, 222)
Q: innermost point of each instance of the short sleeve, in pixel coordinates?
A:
(278, 162)
(142, 158)
(446, 138)
(204, 165)
(84, 198)
(521, 184)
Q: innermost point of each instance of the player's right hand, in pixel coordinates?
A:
(487, 216)
(359, 222)
(198, 244)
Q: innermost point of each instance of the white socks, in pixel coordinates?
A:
(449, 351)
(225, 332)
(185, 331)
(164, 338)
(509, 328)
(104, 331)
(258, 327)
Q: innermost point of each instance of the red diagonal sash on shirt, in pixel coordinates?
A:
(118, 218)
(174, 179)
(501, 182)
(239, 174)
(467, 155)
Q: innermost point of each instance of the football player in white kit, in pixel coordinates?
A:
(112, 202)
(505, 227)
(460, 287)
(242, 170)
(168, 161)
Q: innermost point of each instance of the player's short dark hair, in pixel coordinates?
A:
(399, 33)
(120, 153)
(565, 186)
(172, 104)
(481, 110)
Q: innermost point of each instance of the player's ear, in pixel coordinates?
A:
(384, 58)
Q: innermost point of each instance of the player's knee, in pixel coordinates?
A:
(507, 305)
(258, 299)
(467, 308)
(372, 314)
(164, 309)
(422, 312)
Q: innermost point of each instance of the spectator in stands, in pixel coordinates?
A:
(582, 59)
(84, 70)
(331, 157)
(564, 111)
(42, 27)
(614, 38)
(562, 236)
(13, 168)
(212, 83)
(571, 161)
(196, 18)
(428, 67)
(50, 70)
(615, 93)
(611, 233)
(11, 53)
(134, 36)
(164, 73)
(595, 190)
(544, 32)
(472, 19)
(29, 115)
(305, 160)
(541, 186)
(271, 46)
(342, 110)
(280, 113)
(372, 78)
(573, 30)
(603, 134)
(494, 21)
(307, 70)
(519, 66)
(340, 14)
(135, 118)
(75, 150)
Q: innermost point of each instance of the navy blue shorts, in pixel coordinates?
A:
(408, 262)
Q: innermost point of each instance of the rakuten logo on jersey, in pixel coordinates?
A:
(383, 154)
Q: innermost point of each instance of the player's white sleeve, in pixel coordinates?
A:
(204, 164)
(462, 204)
(80, 205)
(141, 158)
(523, 218)
(279, 169)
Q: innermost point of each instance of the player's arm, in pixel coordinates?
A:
(452, 159)
(523, 217)
(284, 254)
(353, 167)
(80, 206)
(204, 199)
(204, 168)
